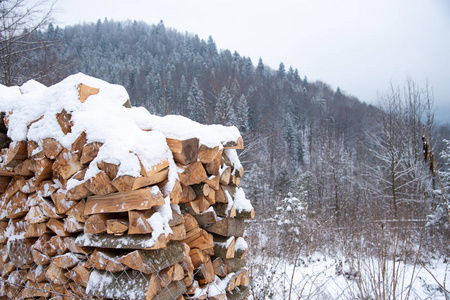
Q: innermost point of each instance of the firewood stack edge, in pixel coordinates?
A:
(101, 200)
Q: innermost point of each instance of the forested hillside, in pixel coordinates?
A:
(312, 152)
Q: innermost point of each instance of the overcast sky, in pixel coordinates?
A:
(360, 46)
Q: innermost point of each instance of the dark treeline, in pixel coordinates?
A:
(307, 145)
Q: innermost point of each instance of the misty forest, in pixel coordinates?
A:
(364, 185)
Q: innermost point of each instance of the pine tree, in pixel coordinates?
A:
(196, 103)
(224, 113)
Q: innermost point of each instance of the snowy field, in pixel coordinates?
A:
(323, 277)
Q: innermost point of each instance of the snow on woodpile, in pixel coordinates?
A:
(92, 188)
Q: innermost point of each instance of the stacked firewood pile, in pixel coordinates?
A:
(87, 215)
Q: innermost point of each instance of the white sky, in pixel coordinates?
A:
(359, 45)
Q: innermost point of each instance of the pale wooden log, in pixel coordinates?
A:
(36, 274)
(200, 240)
(154, 286)
(177, 219)
(193, 173)
(46, 188)
(230, 192)
(225, 210)
(224, 246)
(231, 283)
(201, 189)
(16, 208)
(243, 214)
(242, 277)
(42, 244)
(19, 252)
(178, 233)
(84, 91)
(96, 223)
(51, 148)
(190, 222)
(117, 226)
(207, 272)
(225, 175)
(66, 261)
(8, 268)
(100, 184)
(62, 205)
(241, 248)
(36, 230)
(48, 208)
(219, 267)
(213, 167)
(172, 273)
(31, 147)
(69, 243)
(153, 261)
(104, 240)
(67, 164)
(235, 180)
(105, 261)
(17, 153)
(220, 196)
(78, 192)
(109, 168)
(126, 183)
(90, 152)
(184, 152)
(79, 274)
(40, 258)
(71, 225)
(228, 227)
(25, 168)
(138, 223)
(40, 290)
(64, 120)
(28, 186)
(238, 144)
(142, 199)
(79, 290)
(207, 155)
(42, 167)
(211, 197)
(56, 275)
(197, 257)
(56, 245)
(207, 217)
(57, 226)
(77, 211)
(187, 195)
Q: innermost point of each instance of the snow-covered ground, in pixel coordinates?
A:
(321, 276)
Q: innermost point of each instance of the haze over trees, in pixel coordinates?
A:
(313, 154)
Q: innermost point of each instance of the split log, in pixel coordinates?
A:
(187, 195)
(40, 258)
(233, 264)
(153, 261)
(104, 240)
(67, 164)
(100, 184)
(69, 242)
(239, 293)
(3, 232)
(77, 146)
(17, 153)
(56, 275)
(89, 152)
(207, 272)
(178, 233)
(79, 274)
(109, 168)
(170, 274)
(97, 223)
(57, 226)
(42, 167)
(84, 91)
(105, 261)
(142, 199)
(48, 208)
(224, 247)
(36, 274)
(25, 168)
(66, 261)
(4, 181)
(228, 227)
(242, 277)
(213, 167)
(16, 208)
(225, 175)
(46, 188)
(36, 230)
(71, 225)
(173, 291)
(184, 152)
(117, 226)
(138, 222)
(219, 267)
(193, 173)
(190, 222)
(77, 211)
(64, 120)
(207, 155)
(62, 205)
(19, 252)
(200, 239)
(51, 148)
(225, 210)
(126, 183)
(207, 217)
(238, 144)
(241, 248)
